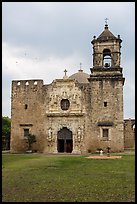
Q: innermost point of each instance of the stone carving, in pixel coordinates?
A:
(49, 137)
(79, 135)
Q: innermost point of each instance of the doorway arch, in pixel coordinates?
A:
(64, 140)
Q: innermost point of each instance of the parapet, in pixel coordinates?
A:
(23, 84)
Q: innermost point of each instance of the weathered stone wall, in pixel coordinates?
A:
(44, 113)
(29, 93)
(129, 133)
(110, 116)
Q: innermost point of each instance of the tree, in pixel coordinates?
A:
(6, 130)
(31, 139)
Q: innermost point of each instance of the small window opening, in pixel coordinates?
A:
(27, 83)
(105, 104)
(26, 106)
(35, 83)
(18, 83)
(105, 133)
(106, 58)
(26, 132)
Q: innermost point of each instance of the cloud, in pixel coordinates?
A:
(20, 63)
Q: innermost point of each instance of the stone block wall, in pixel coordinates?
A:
(129, 133)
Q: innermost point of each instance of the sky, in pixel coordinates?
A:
(42, 39)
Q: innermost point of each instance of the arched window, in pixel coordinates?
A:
(106, 58)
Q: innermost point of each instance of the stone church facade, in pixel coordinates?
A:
(78, 114)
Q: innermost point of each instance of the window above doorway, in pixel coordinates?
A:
(65, 104)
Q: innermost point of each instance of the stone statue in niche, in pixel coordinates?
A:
(49, 134)
(79, 134)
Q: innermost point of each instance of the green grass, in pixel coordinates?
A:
(53, 178)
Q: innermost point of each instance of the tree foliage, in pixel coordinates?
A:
(6, 130)
(6, 125)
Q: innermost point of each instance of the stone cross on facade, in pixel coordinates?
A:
(65, 72)
(65, 76)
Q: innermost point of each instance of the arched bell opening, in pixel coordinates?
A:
(106, 58)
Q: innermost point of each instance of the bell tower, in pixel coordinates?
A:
(106, 83)
(106, 50)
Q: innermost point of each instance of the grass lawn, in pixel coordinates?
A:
(57, 178)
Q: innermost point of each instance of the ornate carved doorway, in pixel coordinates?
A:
(64, 140)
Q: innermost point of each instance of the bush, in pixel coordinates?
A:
(31, 139)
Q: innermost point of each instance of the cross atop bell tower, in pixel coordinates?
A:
(106, 19)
